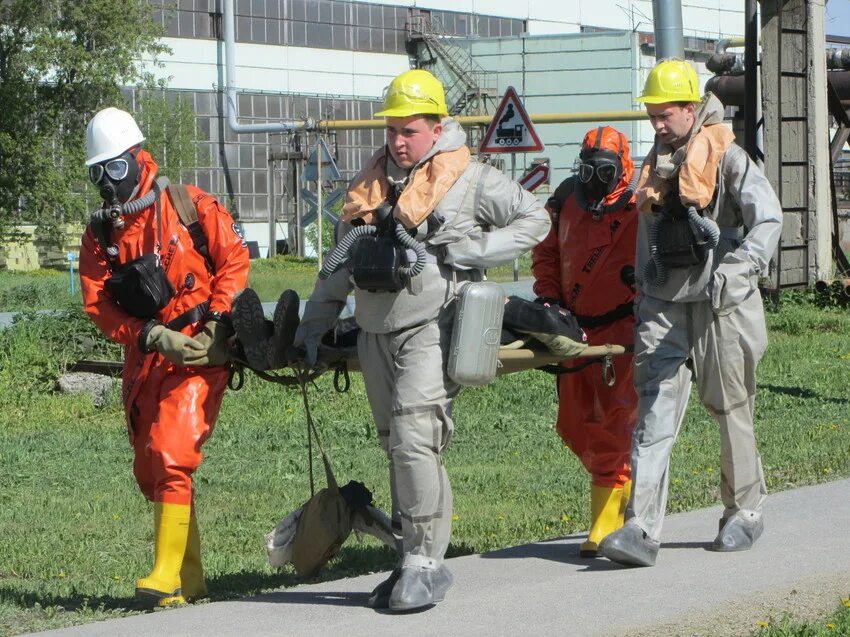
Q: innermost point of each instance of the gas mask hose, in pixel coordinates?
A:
(411, 243)
(339, 255)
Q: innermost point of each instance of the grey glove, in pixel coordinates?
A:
(175, 346)
(214, 339)
(733, 281)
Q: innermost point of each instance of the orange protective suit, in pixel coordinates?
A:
(579, 264)
(170, 409)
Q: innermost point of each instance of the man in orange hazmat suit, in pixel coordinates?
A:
(159, 266)
(586, 265)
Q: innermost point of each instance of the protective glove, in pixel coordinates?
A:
(175, 346)
(213, 337)
(733, 281)
(560, 345)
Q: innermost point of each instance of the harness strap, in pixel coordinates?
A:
(188, 213)
(188, 317)
(591, 322)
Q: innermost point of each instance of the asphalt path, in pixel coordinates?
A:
(546, 588)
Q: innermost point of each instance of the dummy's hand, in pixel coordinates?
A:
(175, 346)
(213, 337)
(560, 345)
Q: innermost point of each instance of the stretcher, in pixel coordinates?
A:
(510, 360)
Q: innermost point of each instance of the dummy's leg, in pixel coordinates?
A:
(253, 331)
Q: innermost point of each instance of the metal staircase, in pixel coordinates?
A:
(470, 90)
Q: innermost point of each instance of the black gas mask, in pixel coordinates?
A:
(116, 178)
(598, 171)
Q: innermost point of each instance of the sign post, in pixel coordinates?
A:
(511, 131)
(71, 256)
(320, 166)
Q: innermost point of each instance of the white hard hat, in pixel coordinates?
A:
(110, 133)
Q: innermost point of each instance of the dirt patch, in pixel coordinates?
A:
(811, 598)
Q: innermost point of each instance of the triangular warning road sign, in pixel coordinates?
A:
(511, 130)
(330, 172)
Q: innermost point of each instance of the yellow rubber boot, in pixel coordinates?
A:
(192, 573)
(605, 517)
(624, 503)
(171, 530)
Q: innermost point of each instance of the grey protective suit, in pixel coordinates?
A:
(404, 340)
(711, 314)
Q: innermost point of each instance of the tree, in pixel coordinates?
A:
(171, 130)
(60, 62)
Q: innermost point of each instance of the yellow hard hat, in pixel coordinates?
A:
(671, 80)
(414, 92)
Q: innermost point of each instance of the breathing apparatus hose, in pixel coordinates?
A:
(131, 207)
(418, 247)
(655, 271)
(339, 255)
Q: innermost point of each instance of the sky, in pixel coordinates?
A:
(838, 17)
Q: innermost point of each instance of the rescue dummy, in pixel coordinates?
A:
(159, 267)
(709, 223)
(462, 217)
(586, 265)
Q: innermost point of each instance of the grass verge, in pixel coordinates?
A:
(77, 533)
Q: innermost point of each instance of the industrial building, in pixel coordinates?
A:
(332, 59)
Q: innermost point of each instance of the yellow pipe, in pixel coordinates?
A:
(483, 120)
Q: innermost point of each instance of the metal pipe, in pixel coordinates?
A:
(229, 33)
(669, 40)
(483, 120)
(838, 58)
(822, 286)
(728, 43)
(732, 91)
(751, 115)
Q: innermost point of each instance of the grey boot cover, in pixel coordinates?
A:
(740, 532)
(629, 545)
(380, 597)
(418, 587)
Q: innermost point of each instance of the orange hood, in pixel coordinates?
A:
(610, 139)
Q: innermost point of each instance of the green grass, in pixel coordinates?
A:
(77, 533)
(836, 625)
(48, 289)
(37, 290)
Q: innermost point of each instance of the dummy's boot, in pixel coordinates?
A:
(629, 545)
(171, 522)
(739, 532)
(418, 587)
(253, 331)
(286, 321)
(605, 517)
(380, 597)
